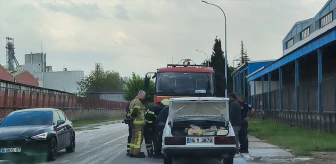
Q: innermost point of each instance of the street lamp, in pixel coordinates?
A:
(225, 46)
(234, 59)
(206, 56)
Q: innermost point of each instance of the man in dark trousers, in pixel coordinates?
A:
(150, 117)
(246, 113)
(235, 116)
(159, 126)
(127, 121)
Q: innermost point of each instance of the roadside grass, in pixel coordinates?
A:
(300, 141)
(81, 123)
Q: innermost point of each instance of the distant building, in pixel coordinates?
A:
(116, 95)
(60, 80)
(240, 84)
(24, 77)
(36, 62)
(4, 75)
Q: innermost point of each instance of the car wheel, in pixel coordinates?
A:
(167, 160)
(228, 160)
(72, 146)
(52, 149)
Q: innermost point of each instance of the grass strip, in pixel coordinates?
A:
(300, 141)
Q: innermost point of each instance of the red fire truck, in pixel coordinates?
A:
(183, 80)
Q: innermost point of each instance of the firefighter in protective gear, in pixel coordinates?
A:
(137, 114)
(127, 121)
(150, 117)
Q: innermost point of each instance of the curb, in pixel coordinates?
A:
(247, 156)
(96, 125)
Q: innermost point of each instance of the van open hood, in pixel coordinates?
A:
(201, 107)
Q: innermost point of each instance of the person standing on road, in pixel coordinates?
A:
(127, 121)
(137, 113)
(150, 116)
(235, 116)
(159, 126)
(246, 113)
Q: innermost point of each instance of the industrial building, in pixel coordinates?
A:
(35, 71)
(5, 75)
(240, 84)
(116, 95)
(24, 77)
(60, 80)
(36, 64)
(305, 92)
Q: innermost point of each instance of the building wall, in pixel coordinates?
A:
(32, 68)
(26, 78)
(62, 80)
(119, 97)
(36, 59)
(4, 75)
(274, 86)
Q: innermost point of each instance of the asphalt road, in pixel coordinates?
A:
(107, 144)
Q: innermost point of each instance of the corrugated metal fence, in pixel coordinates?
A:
(307, 117)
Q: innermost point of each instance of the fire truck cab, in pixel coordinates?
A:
(183, 80)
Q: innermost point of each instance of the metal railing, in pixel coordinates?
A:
(18, 96)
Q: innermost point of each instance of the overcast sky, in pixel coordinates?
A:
(141, 35)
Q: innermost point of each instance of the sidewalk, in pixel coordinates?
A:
(259, 149)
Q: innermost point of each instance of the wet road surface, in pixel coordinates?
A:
(107, 145)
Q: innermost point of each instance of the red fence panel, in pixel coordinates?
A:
(14, 95)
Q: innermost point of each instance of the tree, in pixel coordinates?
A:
(136, 83)
(244, 58)
(217, 62)
(99, 81)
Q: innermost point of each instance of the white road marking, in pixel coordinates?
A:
(101, 146)
(108, 161)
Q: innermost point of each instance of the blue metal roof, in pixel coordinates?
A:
(251, 66)
(306, 49)
(257, 65)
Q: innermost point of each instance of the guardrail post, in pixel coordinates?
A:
(6, 97)
(30, 99)
(15, 98)
(37, 98)
(43, 100)
(54, 99)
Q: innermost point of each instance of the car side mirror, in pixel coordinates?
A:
(60, 122)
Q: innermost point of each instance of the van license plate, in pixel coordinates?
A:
(191, 140)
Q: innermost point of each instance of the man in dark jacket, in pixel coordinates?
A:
(159, 126)
(235, 116)
(246, 113)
